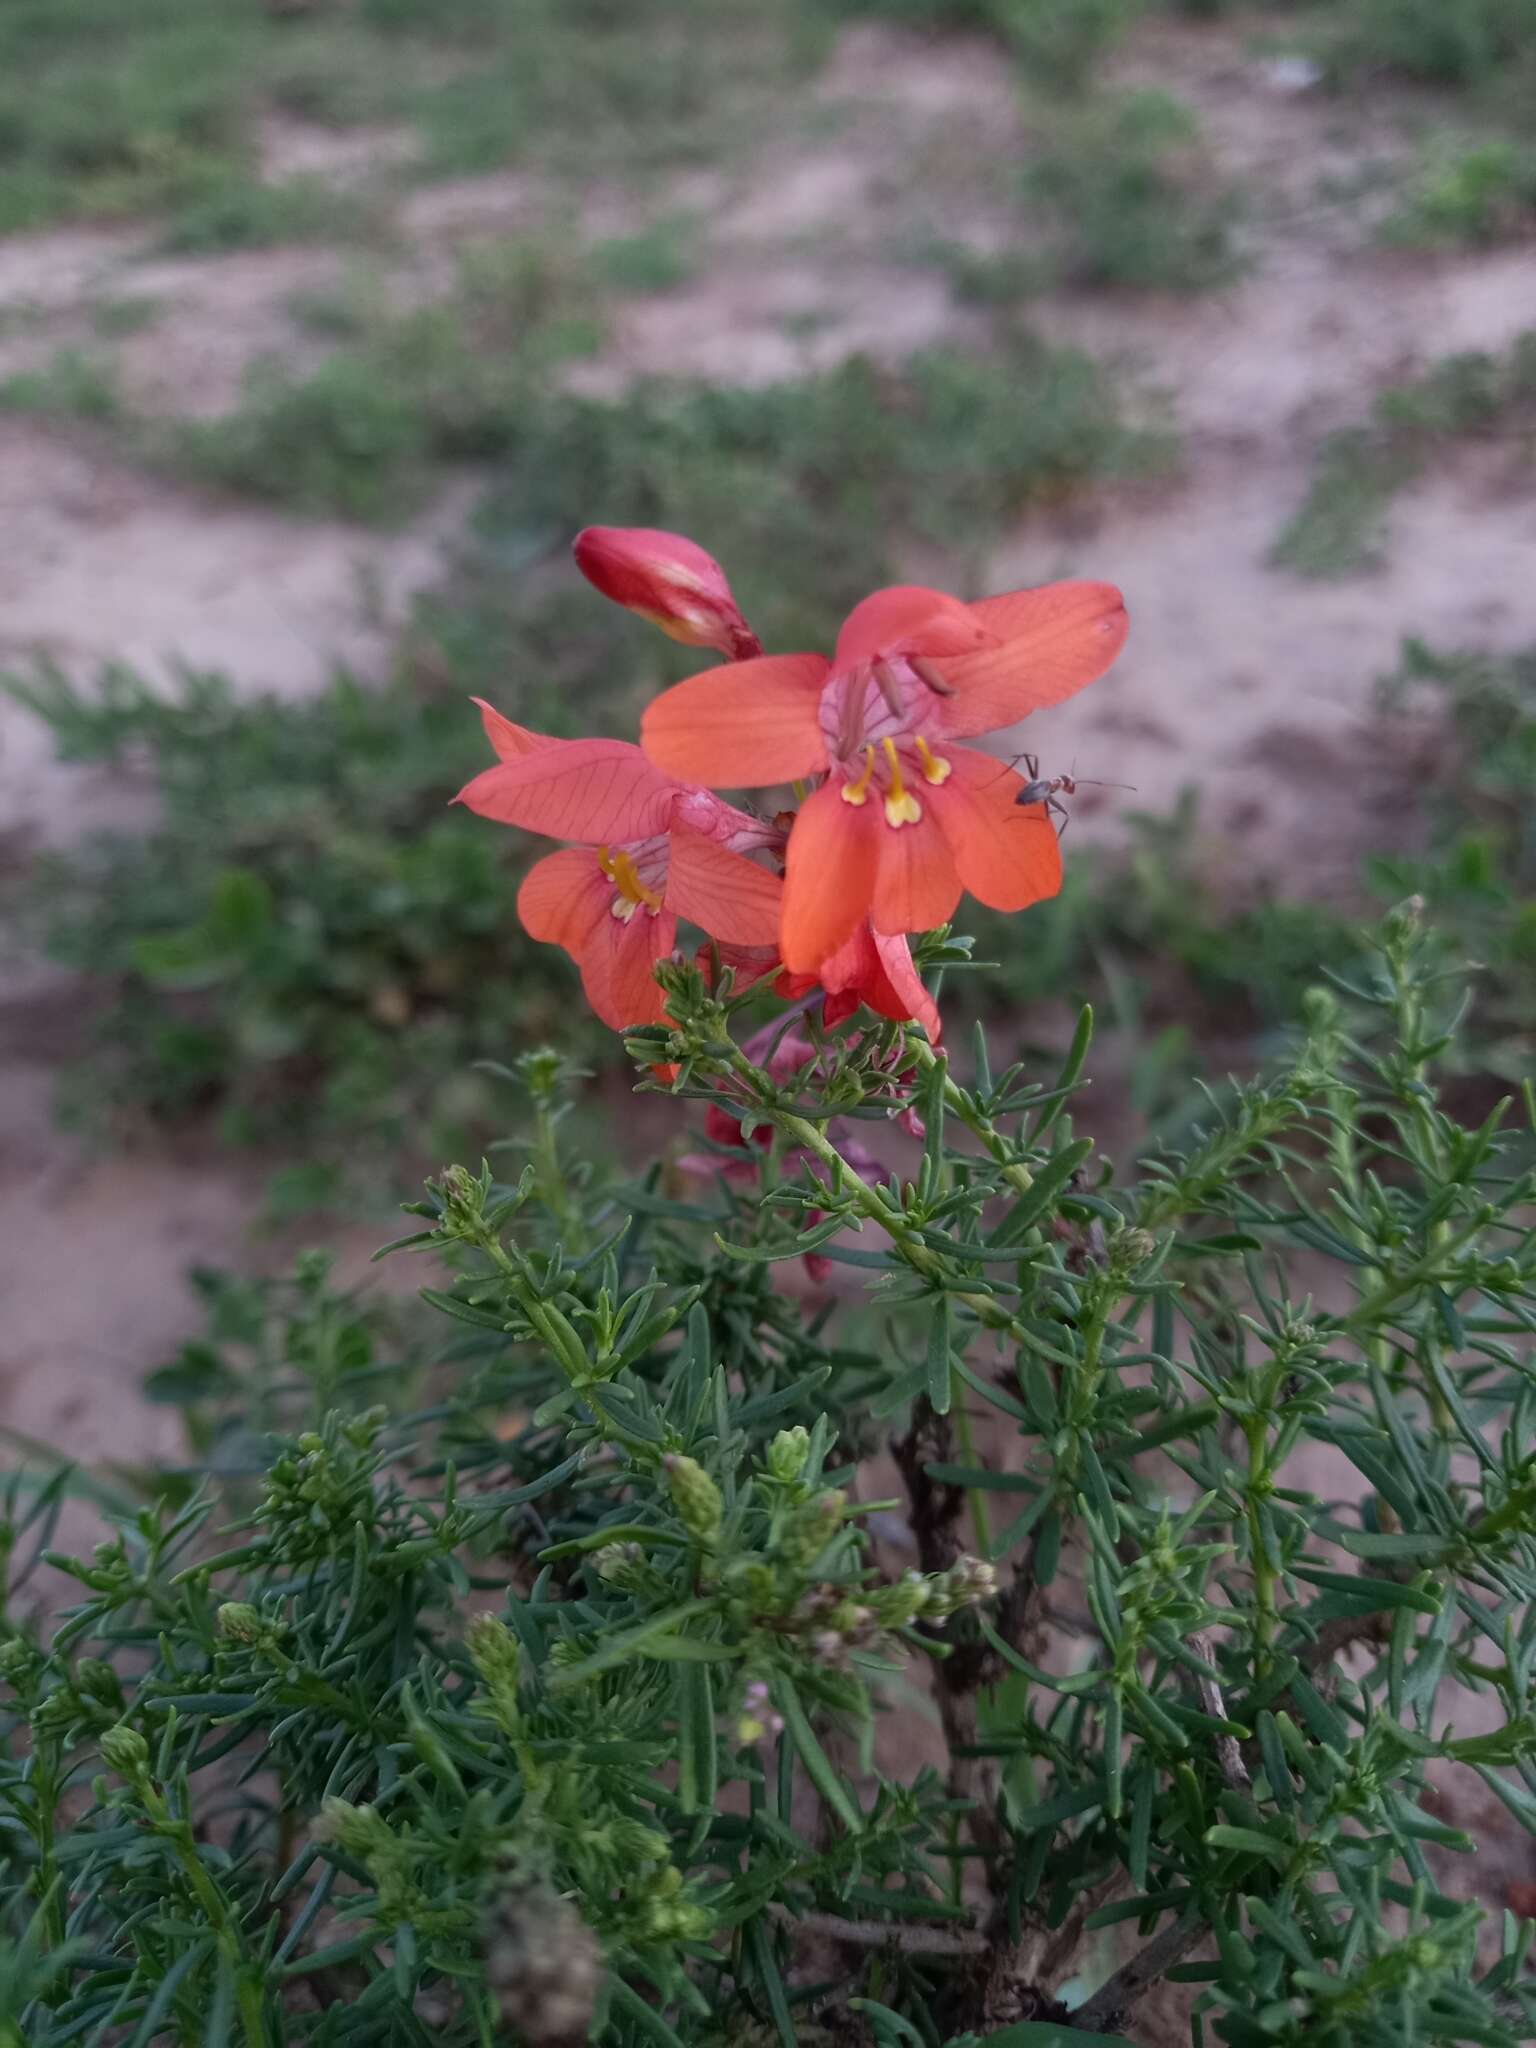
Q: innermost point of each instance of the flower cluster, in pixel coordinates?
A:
(896, 817)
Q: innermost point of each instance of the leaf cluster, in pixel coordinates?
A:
(1216, 1500)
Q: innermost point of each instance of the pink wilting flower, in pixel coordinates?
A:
(671, 581)
(649, 850)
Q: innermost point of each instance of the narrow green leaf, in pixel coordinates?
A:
(940, 1378)
(818, 1765)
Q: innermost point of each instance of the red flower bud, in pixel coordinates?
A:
(670, 581)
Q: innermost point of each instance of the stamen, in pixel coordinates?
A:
(925, 672)
(629, 883)
(858, 792)
(935, 768)
(620, 869)
(890, 689)
(901, 807)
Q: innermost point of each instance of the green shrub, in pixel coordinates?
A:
(242, 212)
(1131, 202)
(1463, 44)
(1058, 43)
(1478, 871)
(577, 1704)
(1341, 527)
(1480, 193)
(448, 381)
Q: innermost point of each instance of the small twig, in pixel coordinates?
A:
(914, 1940)
(1112, 2001)
(1228, 1756)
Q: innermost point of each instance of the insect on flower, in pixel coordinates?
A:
(905, 818)
(1049, 790)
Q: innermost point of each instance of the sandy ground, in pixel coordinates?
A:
(1250, 683)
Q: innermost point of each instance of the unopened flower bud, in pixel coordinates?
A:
(125, 1751)
(968, 1580)
(239, 1622)
(17, 1659)
(812, 1527)
(788, 1452)
(695, 1496)
(669, 580)
(904, 1602)
(615, 1562)
(1130, 1249)
(98, 1681)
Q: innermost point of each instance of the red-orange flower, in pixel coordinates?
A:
(906, 819)
(872, 969)
(671, 581)
(651, 851)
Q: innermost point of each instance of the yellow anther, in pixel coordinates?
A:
(620, 869)
(901, 807)
(935, 768)
(858, 792)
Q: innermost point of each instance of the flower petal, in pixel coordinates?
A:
(829, 881)
(599, 791)
(908, 619)
(1054, 641)
(917, 886)
(723, 893)
(562, 897)
(511, 741)
(1007, 855)
(616, 968)
(878, 971)
(909, 996)
(741, 727)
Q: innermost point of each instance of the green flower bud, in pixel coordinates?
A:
(897, 1605)
(968, 1581)
(125, 1751)
(615, 1563)
(98, 1681)
(812, 1527)
(788, 1452)
(239, 1622)
(1129, 1249)
(695, 1496)
(17, 1659)
(493, 1649)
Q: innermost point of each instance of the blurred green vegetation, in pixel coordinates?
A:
(1341, 527)
(308, 941)
(109, 110)
(1467, 194)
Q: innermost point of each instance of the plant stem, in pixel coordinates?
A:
(980, 1524)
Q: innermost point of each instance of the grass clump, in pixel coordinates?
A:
(1132, 200)
(115, 110)
(71, 385)
(1467, 43)
(241, 212)
(1468, 195)
(1341, 527)
(1118, 194)
(446, 382)
(1478, 872)
(1055, 42)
